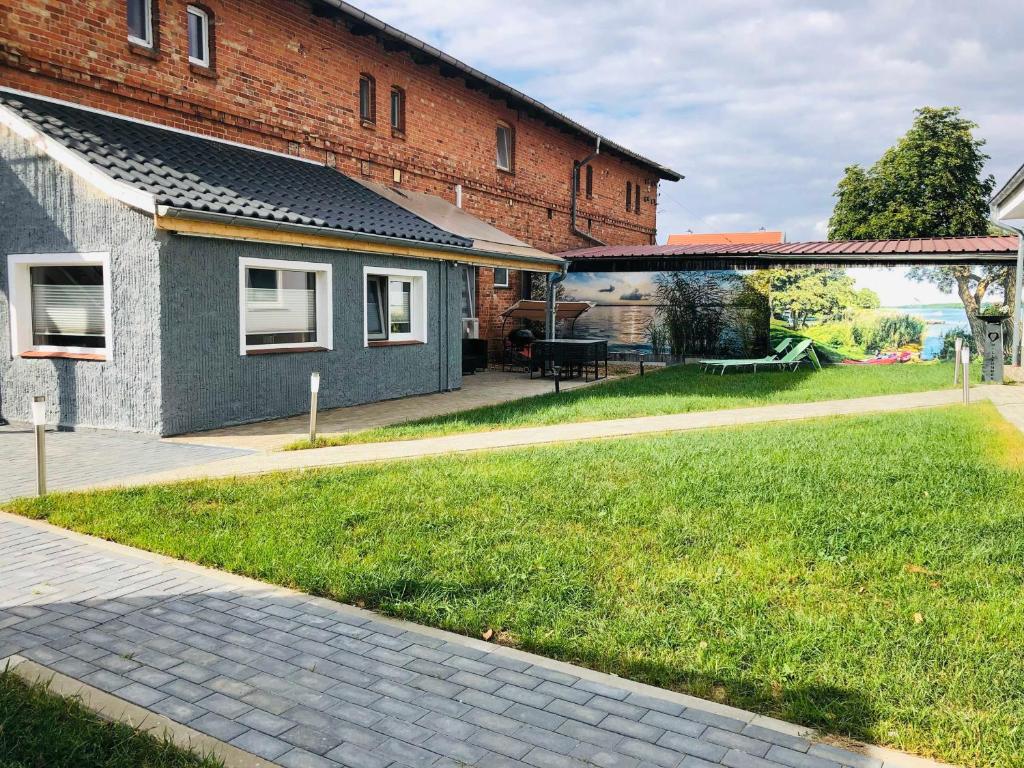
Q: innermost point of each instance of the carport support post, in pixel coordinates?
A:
(965, 358)
(39, 421)
(958, 344)
(1018, 310)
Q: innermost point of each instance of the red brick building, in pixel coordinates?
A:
(321, 79)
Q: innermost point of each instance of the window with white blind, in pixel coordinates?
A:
(60, 304)
(285, 305)
(140, 22)
(395, 306)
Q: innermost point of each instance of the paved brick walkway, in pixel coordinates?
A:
(85, 457)
(306, 682)
(488, 387)
(573, 432)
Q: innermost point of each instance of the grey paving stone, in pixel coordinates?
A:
(475, 698)
(406, 754)
(542, 737)
(799, 759)
(632, 728)
(397, 708)
(217, 726)
(354, 756)
(106, 681)
(523, 695)
(583, 732)
(151, 677)
(715, 719)
(691, 746)
(568, 693)
(746, 744)
(653, 702)
(224, 705)
(311, 739)
(268, 701)
(675, 724)
(577, 711)
(551, 674)
(650, 753)
(543, 758)
(533, 716)
(777, 737)
(265, 722)
(191, 672)
(140, 694)
(736, 759)
(500, 743)
(403, 730)
(608, 691)
(183, 689)
(456, 749)
(844, 757)
(618, 708)
(300, 758)
(261, 745)
(178, 710)
(475, 681)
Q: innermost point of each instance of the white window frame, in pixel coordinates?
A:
(324, 303)
(508, 277)
(204, 61)
(417, 304)
(146, 42)
(19, 292)
(509, 147)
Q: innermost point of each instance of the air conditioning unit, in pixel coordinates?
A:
(471, 328)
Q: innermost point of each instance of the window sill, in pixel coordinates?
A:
(398, 133)
(505, 171)
(284, 350)
(146, 51)
(369, 124)
(384, 343)
(38, 354)
(202, 71)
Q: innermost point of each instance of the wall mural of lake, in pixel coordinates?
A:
(713, 313)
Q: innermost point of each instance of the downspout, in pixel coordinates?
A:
(577, 167)
(1018, 287)
(554, 278)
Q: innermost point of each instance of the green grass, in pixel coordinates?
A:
(677, 389)
(861, 575)
(39, 729)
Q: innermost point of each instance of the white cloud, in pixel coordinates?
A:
(760, 103)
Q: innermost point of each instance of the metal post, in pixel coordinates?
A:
(557, 369)
(314, 392)
(965, 358)
(957, 346)
(1018, 310)
(641, 364)
(39, 420)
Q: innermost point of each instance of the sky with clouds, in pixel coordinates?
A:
(760, 103)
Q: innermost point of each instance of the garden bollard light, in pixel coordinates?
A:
(314, 391)
(957, 345)
(965, 359)
(642, 363)
(557, 370)
(39, 421)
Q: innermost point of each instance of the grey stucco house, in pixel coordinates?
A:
(164, 282)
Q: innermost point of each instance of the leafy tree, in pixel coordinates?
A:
(929, 184)
(867, 299)
(797, 294)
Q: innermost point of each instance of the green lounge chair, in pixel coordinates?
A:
(779, 349)
(804, 351)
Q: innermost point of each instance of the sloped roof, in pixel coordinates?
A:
(713, 238)
(194, 173)
(845, 252)
(484, 237)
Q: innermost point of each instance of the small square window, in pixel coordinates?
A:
(140, 22)
(395, 305)
(198, 36)
(60, 303)
(501, 277)
(284, 305)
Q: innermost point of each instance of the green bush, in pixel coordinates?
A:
(894, 331)
(949, 342)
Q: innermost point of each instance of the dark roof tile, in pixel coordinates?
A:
(188, 171)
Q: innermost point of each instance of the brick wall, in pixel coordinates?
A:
(287, 80)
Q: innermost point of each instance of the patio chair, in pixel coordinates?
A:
(779, 349)
(790, 360)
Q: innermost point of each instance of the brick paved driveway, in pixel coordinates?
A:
(86, 457)
(303, 681)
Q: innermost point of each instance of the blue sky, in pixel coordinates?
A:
(760, 103)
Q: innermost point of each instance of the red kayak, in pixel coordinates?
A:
(901, 357)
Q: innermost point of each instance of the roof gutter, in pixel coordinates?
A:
(171, 212)
(574, 193)
(385, 29)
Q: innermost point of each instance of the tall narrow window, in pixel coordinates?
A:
(629, 196)
(396, 306)
(397, 109)
(140, 22)
(590, 182)
(367, 99)
(506, 147)
(636, 199)
(198, 36)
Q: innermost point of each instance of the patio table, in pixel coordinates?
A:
(570, 354)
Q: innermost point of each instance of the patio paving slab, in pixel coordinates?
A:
(1008, 398)
(300, 680)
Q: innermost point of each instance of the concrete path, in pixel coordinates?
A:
(308, 683)
(489, 387)
(591, 430)
(85, 457)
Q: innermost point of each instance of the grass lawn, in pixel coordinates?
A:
(39, 729)
(676, 389)
(862, 575)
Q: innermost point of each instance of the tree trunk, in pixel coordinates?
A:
(972, 302)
